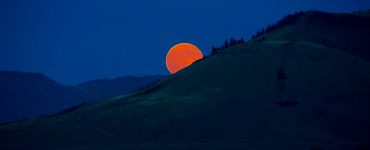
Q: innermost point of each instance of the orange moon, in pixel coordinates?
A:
(182, 55)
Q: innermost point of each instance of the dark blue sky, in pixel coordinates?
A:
(77, 40)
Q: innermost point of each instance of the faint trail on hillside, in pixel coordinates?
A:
(96, 127)
(281, 74)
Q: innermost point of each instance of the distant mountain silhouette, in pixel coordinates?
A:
(304, 84)
(25, 95)
(106, 88)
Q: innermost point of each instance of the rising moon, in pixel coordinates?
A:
(182, 55)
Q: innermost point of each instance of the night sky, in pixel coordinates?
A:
(74, 41)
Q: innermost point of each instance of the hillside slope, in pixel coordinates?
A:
(278, 93)
(347, 32)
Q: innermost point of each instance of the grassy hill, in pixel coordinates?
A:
(284, 91)
(345, 32)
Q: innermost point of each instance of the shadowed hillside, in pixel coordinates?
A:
(285, 89)
(345, 32)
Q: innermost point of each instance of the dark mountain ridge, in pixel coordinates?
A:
(282, 90)
(24, 95)
(106, 88)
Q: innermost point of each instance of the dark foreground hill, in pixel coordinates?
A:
(269, 93)
(25, 95)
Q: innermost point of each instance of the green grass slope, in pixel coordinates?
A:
(272, 94)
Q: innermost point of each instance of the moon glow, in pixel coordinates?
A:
(181, 56)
